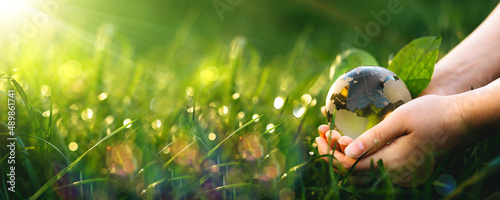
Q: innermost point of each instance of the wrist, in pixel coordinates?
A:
(478, 108)
(452, 77)
(456, 124)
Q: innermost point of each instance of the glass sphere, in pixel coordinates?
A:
(362, 97)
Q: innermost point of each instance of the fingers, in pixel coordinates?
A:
(343, 142)
(340, 158)
(323, 110)
(330, 136)
(323, 129)
(405, 156)
(323, 146)
(378, 136)
(343, 160)
(398, 153)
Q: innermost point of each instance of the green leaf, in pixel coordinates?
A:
(414, 63)
(350, 59)
(73, 164)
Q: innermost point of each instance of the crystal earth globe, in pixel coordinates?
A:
(362, 97)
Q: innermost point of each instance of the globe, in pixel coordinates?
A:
(362, 97)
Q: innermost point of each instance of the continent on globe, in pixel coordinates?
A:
(362, 97)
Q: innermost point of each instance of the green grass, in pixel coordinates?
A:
(198, 75)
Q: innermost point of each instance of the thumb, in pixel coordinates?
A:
(377, 137)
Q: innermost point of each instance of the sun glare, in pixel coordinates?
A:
(11, 13)
(11, 8)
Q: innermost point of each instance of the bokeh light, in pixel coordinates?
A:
(445, 184)
(223, 110)
(187, 151)
(237, 46)
(278, 102)
(189, 91)
(109, 120)
(236, 96)
(252, 147)
(166, 150)
(46, 113)
(87, 114)
(193, 84)
(73, 146)
(255, 116)
(71, 69)
(156, 124)
(240, 115)
(102, 96)
(212, 136)
(127, 121)
(306, 99)
(210, 74)
(270, 128)
(273, 166)
(45, 90)
(313, 102)
(124, 158)
(287, 194)
(298, 111)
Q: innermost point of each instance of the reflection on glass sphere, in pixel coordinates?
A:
(362, 97)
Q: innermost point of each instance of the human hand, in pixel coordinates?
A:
(406, 141)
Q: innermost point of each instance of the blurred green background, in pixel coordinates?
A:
(192, 73)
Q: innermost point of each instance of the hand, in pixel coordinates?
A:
(406, 141)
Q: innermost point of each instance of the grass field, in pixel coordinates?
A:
(204, 100)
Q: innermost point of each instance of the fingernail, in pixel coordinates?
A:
(341, 142)
(323, 128)
(355, 149)
(344, 140)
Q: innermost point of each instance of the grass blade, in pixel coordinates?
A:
(29, 107)
(225, 164)
(82, 182)
(200, 181)
(175, 156)
(220, 143)
(233, 186)
(153, 185)
(271, 129)
(74, 163)
(296, 167)
(49, 126)
(36, 128)
(491, 167)
(45, 141)
(351, 170)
